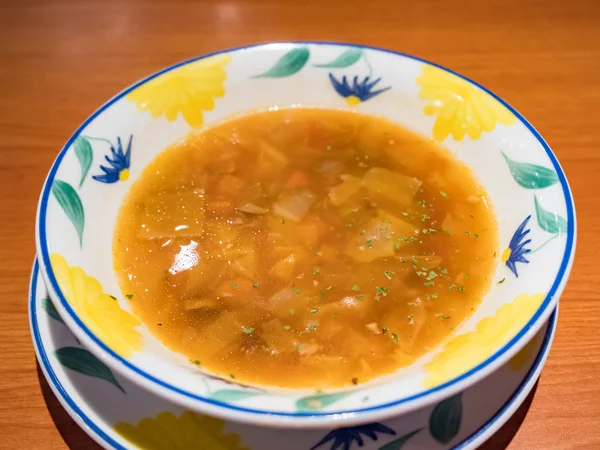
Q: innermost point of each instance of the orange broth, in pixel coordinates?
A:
(304, 248)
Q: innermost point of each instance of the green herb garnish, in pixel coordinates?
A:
(355, 288)
(314, 310)
(444, 195)
(369, 243)
(255, 285)
(501, 281)
(394, 338)
(286, 327)
(247, 330)
(129, 296)
(292, 312)
(431, 275)
(233, 285)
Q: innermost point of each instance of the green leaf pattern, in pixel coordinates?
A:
(346, 59)
(69, 201)
(549, 221)
(319, 401)
(51, 309)
(531, 176)
(445, 419)
(83, 151)
(82, 361)
(232, 395)
(288, 64)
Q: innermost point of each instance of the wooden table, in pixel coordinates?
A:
(61, 59)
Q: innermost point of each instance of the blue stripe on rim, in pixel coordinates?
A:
(64, 394)
(541, 310)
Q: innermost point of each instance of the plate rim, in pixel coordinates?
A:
(279, 418)
(482, 434)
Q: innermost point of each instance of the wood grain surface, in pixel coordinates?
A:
(59, 60)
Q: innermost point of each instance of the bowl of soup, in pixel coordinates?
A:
(305, 234)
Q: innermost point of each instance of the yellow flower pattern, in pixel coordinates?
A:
(460, 107)
(99, 311)
(189, 90)
(189, 431)
(466, 351)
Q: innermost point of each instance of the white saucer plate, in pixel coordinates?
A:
(119, 415)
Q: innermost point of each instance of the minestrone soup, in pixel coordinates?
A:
(304, 248)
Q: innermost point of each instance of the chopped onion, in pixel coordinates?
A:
(294, 207)
(251, 208)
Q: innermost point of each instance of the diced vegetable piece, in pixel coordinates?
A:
(270, 160)
(203, 277)
(330, 168)
(277, 337)
(191, 304)
(399, 227)
(373, 328)
(284, 268)
(459, 221)
(245, 265)
(295, 206)
(251, 208)
(340, 194)
(310, 231)
(219, 333)
(308, 349)
(297, 180)
(373, 242)
(392, 186)
(168, 215)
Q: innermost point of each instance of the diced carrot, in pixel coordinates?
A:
(298, 179)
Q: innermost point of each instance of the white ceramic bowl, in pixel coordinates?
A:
(80, 199)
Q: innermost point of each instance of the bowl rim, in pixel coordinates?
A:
(303, 419)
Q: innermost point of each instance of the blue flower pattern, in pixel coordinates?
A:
(343, 438)
(119, 163)
(516, 251)
(359, 91)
